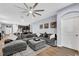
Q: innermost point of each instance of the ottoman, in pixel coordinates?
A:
(36, 45)
(14, 47)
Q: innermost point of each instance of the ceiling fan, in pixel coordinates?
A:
(31, 10)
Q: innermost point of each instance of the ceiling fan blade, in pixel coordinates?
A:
(38, 14)
(35, 5)
(33, 15)
(25, 5)
(28, 14)
(38, 10)
(24, 11)
(21, 8)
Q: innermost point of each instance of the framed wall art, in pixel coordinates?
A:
(41, 26)
(46, 25)
(53, 25)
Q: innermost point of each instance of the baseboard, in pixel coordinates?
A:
(71, 49)
(67, 47)
(59, 45)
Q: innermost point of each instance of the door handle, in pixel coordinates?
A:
(76, 35)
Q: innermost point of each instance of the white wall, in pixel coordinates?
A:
(36, 26)
(60, 14)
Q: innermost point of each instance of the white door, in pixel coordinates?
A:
(76, 35)
(70, 32)
(67, 32)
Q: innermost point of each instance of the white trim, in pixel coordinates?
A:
(59, 45)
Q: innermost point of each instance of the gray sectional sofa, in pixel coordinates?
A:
(20, 44)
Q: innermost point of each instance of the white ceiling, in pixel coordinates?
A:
(9, 13)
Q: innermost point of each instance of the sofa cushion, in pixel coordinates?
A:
(52, 36)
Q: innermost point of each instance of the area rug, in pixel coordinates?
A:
(30, 52)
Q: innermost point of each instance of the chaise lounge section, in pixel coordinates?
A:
(14, 47)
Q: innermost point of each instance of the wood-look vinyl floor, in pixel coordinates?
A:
(58, 51)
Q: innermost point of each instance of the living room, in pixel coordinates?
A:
(40, 31)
